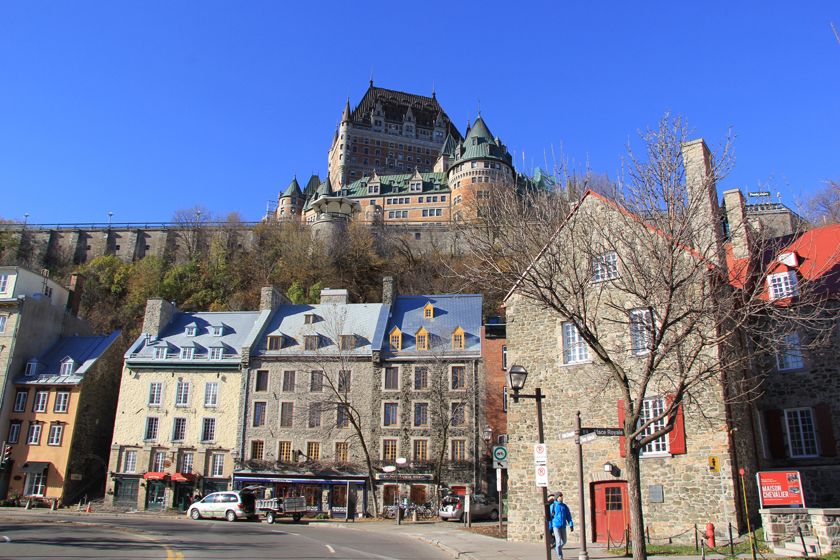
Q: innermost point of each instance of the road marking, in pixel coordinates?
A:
(331, 549)
(6, 539)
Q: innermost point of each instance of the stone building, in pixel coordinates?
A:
(494, 355)
(180, 406)
(688, 476)
(61, 419)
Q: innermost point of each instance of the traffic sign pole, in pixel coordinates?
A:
(583, 555)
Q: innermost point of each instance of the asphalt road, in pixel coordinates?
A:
(61, 536)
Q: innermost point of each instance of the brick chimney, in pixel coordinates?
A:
(329, 295)
(158, 314)
(736, 218)
(389, 290)
(271, 298)
(706, 224)
(76, 287)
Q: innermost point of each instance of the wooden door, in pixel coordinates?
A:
(610, 515)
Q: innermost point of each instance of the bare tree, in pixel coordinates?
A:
(190, 225)
(824, 207)
(650, 262)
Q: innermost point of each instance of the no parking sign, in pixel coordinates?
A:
(541, 475)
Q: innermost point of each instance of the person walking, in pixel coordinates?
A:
(560, 517)
(550, 509)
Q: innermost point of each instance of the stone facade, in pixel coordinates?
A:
(784, 524)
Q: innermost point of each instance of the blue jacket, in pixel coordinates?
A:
(561, 516)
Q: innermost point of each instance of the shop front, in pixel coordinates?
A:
(329, 493)
(183, 490)
(415, 488)
(156, 489)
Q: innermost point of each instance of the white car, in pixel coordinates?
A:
(231, 505)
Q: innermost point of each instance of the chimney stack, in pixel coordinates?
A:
(703, 208)
(158, 314)
(329, 295)
(389, 290)
(736, 218)
(271, 298)
(76, 288)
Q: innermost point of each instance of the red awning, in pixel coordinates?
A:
(153, 475)
(183, 477)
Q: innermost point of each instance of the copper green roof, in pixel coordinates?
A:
(399, 184)
(480, 144)
(292, 190)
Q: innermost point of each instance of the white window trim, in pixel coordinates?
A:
(204, 422)
(35, 429)
(815, 433)
(20, 404)
(132, 466)
(174, 431)
(146, 429)
(788, 282)
(149, 402)
(214, 393)
(43, 404)
(59, 428)
(666, 438)
(786, 348)
(187, 353)
(264, 414)
(63, 398)
(14, 432)
(188, 395)
(568, 359)
(645, 322)
(221, 458)
(600, 263)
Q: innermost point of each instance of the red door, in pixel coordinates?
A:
(610, 515)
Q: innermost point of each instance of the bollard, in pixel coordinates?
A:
(54, 504)
(802, 540)
(703, 550)
(731, 544)
(414, 516)
(29, 503)
(696, 543)
(87, 508)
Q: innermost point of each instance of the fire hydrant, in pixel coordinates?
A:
(710, 535)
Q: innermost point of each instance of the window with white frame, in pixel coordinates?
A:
(574, 348)
(651, 408)
(3, 319)
(182, 393)
(20, 401)
(783, 284)
(62, 402)
(34, 435)
(641, 331)
(504, 357)
(211, 394)
(160, 353)
(40, 402)
(216, 330)
(4, 282)
(217, 465)
(188, 353)
(151, 432)
(14, 432)
(789, 353)
(605, 267)
(208, 430)
(31, 367)
(55, 435)
(179, 429)
(155, 392)
(67, 367)
(189, 330)
(216, 353)
(36, 484)
(801, 432)
(130, 461)
(187, 459)
(159, 461)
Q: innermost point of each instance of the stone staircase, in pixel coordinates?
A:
(793, 548)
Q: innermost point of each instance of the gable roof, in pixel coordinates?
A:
(818, 255)
(83, 350)
(451, 311)
(395, 104)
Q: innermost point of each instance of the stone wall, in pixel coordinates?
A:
(783, 524)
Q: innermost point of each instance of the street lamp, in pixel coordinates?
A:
(517, 375)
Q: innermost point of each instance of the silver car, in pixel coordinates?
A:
(231, 505)
(481, 507)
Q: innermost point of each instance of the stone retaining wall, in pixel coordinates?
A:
(782, 524)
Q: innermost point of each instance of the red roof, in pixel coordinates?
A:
(818, 253)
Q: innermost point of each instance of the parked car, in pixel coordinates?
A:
(231, 505)
(481, 507)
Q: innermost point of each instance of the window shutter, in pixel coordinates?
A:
(621, 439)
(828, 445)
(676, 437)
(775, 433)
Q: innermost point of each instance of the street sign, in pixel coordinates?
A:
(500, 453)
(540, 454)
(500, 464)
(714, 464)
(586, 438)
(567, 435)
(541, 475)
(603, 432)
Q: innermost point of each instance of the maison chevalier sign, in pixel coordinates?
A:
(404, 477)
(780, 489)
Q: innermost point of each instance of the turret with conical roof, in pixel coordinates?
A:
(290, 202)
(345, 116)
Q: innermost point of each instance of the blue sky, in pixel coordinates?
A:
(144, 108)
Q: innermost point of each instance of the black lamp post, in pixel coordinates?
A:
(517, 375)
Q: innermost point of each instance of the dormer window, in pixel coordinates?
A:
(429, 311)
(416, 187)
(31, 367)
(421, 339)
(275, 342)
(67, 366)
(783, 285)
(458, 339)
(216, 353)
(310, 342)
(309, 318)
(160, 353)
(190, 330)
(217, 330)
(373, 189)
(395, 340)
(347, 341)
(187, 353)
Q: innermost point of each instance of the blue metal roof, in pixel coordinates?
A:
(83, 350)
(450, 312)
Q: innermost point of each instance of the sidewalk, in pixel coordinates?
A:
(463, 544)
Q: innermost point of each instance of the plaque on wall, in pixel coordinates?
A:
(656, 494)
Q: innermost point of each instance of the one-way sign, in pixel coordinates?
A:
(602, 431)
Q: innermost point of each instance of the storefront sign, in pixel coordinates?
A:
(404, 477)
(780, 489)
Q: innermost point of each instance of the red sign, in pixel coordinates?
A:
(780, 489)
